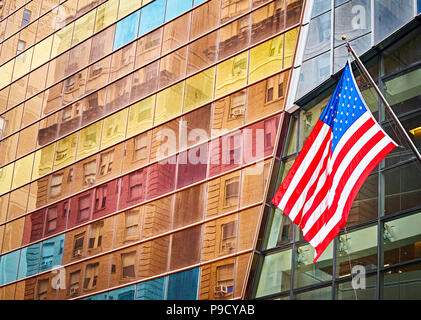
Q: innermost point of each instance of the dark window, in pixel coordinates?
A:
(26, 17)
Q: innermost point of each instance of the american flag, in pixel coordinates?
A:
(345, 145)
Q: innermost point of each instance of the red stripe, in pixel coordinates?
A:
(347, 146)
(297, 163)
(342, 223)
(309, 171)
(325, 217)
(313, 187)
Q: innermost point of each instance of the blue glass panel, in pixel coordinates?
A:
(152, 289)
(100, 296)
(152, 16)
(176, 8)
(197, 2)
(126, 30)
(183, 285)
(126, 293)
(419, 6)
(29, 261)
(9, 267)
(52, 253)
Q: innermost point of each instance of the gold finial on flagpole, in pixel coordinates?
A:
(343, 37)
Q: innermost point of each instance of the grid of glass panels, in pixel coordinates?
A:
(364, 22)
(382, 237)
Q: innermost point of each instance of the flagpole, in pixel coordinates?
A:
(395, 118)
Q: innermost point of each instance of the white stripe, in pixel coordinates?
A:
(304, 165)
(324, 231)
(300, 201)
(338, 175)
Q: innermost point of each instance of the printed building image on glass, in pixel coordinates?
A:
(138, 142)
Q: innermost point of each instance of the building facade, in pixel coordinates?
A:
(142, 141)
(137, 142)
(380, 246)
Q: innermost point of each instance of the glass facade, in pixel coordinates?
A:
(137, 144)
(382, 239)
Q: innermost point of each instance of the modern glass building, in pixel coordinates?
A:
(142, 142)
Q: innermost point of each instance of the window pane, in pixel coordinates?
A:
(209, 12)
(175, 34)
(389, 16)
(43, 163)
(202, 52)
(402, 283)
(154, 257)
(125, 293)
(114, 129)
(22, 64)
(234, 37)
(275, 275)
(9, 267)
(152, 289)
(106, 14)
(65, 151)
(23, 170)
(231, 74)
(365, 205)
(308, 273)
(266, 58)
(102, 43)
(169, 103)
(402, 188)
(232, 9)
(141, 116)
(6, 178)
(148, 48)
(29, 261)
(192, 165)
(176, 7)
(172, 67)
(89, 140)
(267, 21)
(402, 239)
(84, 27)
(127, 7)
(152, 16)
(183, 285)
(280, 229)
(320, 39)
(126, 30)
(318, 294)
(199, 89)
(345, 290)
(158, 210)
(122, 61)
(357, 248)
(145, 81)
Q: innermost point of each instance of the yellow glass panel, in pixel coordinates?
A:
(199, 89)
(62, 40)
(84, 27)
(290, 43)
(65, 151)
(13, 232)
(6, 178)
(169, 103)
(6, 73)
(23, 169)
(114, 128)
(43, 163)
(231, 74)
(266, 58)
(89, 140)
(107, 14)
(127, 7)
(22, 64)
(42, 52)
(141, 116)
